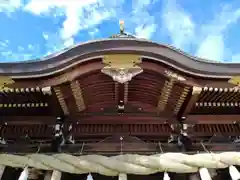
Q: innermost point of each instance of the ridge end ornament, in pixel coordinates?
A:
(122, 67)
(235, 80)
(121, 26)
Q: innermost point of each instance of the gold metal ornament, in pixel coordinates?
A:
(174, 75)
(235, 80)
(121, 25)
(122, 67)
(4, 82)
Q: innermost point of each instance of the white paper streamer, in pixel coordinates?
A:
(2, 168)
(56, 175)
(166, 176)
(122, 176)
(204, 174)
(89, 177)
(234, 173)
(24, 174)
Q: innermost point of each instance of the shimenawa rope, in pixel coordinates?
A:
(126, 163)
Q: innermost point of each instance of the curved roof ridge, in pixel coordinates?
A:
(82, 52)
(146, 40)
(178, 50)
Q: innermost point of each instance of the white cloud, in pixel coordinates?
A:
(9, 6)
(93, 32)
(145, 31)
(20, 54)
(178, 23)
(80, 15)
(54, 44)
(45, 36)
(140, 4)
(74, 22)
(212, 47)
(69, 42)
(141, 21)
(207, 38)
(4, 44)
(87, 14)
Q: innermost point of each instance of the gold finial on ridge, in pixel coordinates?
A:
(121, 24)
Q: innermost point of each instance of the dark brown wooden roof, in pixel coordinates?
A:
(84, 89)
(78, 90)
(86, 51)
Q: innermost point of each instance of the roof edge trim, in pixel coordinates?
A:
(166, 54)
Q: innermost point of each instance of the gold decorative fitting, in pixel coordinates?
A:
(122, 67)
(217, 104)
(46, 91)
(196, 90)
(5, 81)
(174, 75)
(32, 105)
(235, 81)
(165, 95)
(181, 99)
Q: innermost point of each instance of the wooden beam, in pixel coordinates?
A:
(78, 95)
(126, 92)
(212, 119)
(55, 105)
(165, 95)
(116, 91)
(28, 120)
(136, 118)
(120, 92)
(70, 74)
(61, 100)
(191, 103)
(181, 99)
(122, 118)
(114, 148)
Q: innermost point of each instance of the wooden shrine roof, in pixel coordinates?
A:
(86, 51)
(72, 85)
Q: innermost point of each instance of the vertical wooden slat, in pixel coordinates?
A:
(165, 94)
(78, 95)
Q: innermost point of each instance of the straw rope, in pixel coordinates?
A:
(123, 164)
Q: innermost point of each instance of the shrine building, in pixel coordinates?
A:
(120, 108)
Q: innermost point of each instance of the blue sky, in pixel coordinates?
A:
(36, 28)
